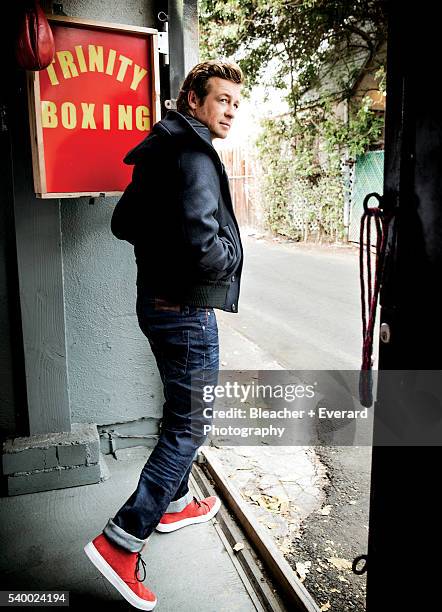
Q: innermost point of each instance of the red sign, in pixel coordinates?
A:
(97, 100)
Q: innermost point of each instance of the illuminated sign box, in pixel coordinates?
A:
(98, 99)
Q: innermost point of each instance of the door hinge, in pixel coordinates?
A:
(163, 43)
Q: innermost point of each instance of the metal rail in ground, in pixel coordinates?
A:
(256, 582)
(262, 556)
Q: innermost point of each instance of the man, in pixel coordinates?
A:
(178, 213)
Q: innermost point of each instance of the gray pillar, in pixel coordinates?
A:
(40, 279)
(183, 41)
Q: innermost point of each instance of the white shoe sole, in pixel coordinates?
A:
(168, 527)
(103, 566)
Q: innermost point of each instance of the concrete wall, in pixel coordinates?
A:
(111, 371)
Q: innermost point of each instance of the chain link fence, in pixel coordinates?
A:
(368, 178)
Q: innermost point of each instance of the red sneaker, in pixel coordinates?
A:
(121, 568)
(195, 512)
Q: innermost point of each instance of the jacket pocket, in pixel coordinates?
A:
(229, 234)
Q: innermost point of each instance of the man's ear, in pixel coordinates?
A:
(192, 100)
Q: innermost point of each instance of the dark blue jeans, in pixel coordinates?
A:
(184, 341)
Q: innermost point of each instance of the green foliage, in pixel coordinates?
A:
(362, 130)
(302, 196)
(303, 35)
(301, 159)
(278, 172)
(301, 153)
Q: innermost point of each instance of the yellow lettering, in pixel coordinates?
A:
(111, 61)
(67, 64)
(139, 74)
(106, 116)
(49, 117)
(125, 62)
(51, 74)
(88, 116)
(124, 117)
(68, 115)
(80, 58)
(96, 62)
(142, 119)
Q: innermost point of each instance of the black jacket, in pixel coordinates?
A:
(178, 214)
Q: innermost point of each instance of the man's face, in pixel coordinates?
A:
(219, 107)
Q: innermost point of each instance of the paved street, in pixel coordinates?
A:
(301, 305)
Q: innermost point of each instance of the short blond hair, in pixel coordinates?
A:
(198, 78)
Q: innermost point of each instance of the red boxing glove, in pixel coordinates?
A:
(35, 48)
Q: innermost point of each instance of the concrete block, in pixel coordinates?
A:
(93, 452)
(53, 461)
(29, 459)
(81, 446)
(72, 454)
(57, 478)
(81, 433)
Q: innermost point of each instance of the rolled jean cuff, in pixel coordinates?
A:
(179, 504)
(122, 538)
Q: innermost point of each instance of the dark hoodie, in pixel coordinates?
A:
(178, 214)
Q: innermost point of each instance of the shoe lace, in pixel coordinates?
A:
(137, 567)
(200, 503)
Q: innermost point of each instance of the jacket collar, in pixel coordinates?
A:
(199, 127)
(180, 125)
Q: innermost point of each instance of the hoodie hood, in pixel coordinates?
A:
(177, 126)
